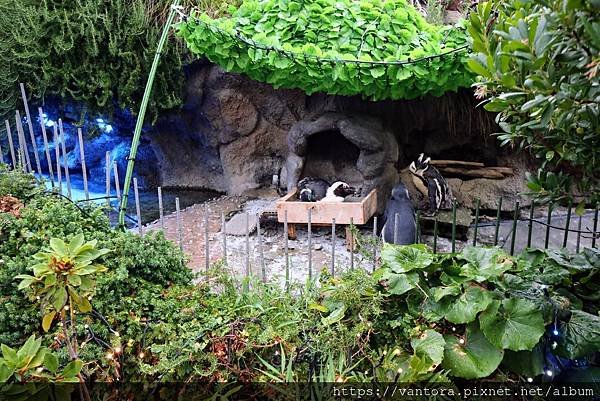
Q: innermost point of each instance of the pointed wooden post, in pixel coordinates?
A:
(46, 147)
(83, 165)
(57, 155)
(65, 159)
(31, 133)
(22, 143)
(11, 145)
(138, 210)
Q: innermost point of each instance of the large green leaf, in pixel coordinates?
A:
(580, 336)
(525, 363)
(484, 263)
(516, 324)
(465, 308)
(429, 346)
(402, 283)
(405, 258)
(335, 316)
(474, 359)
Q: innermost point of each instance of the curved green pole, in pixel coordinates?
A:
(140, 119)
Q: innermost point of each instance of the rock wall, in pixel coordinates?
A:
(231, 135)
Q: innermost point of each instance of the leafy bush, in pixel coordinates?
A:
(356, 30)
(420, 317)
(98, 52)
(489, 306)
(538, 68)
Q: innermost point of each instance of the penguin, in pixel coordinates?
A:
(338, 191)
(401, 205)
(430, 183)
(312, 189)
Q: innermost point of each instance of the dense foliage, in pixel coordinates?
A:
(420, 317)
(539, 69)
(97, 52)
(366, 30)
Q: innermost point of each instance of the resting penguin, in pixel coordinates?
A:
(430, 183)
(312, 189)
(338, 191)
(400, 204)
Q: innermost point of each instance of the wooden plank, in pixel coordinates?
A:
(455, 163)
(476, 173)
(324, 212)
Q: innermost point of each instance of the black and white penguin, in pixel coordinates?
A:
(430, 183)
(401, 205)
(312, 189)
(338, 191)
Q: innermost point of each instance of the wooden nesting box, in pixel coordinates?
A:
(323, 212)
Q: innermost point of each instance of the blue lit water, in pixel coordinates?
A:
(148, 197)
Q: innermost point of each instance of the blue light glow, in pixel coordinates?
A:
(104, 126)
(555, 332)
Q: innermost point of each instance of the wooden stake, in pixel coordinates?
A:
(497, 230)
(178, 219)
(260, 249)
(476, 222)
(31, 133)
(548, 222)
(46, 147)
(107, 168)
(396, 222)
(309, 228)
(65, 159)
(435, 234)
(11, 146)
(375, 242)
(224, 234)
(57, 155)
(351, 243)
(333, 247)
(454, 226)
(161, 214)
(117, 182)
(568, 225)
(286, 250)
(138, 210)
(22, 143)
(247, 245)
(530, 224)
(206, 244)
(514, 228)
(83, 165)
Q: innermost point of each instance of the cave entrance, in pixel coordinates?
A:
(332, 157)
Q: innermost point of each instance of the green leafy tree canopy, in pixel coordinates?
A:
(539, 68)
(300, 44)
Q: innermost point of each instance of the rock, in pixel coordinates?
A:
(332, 157)
(511, 189)
(237, 224)
(235, 117)
(233, 134)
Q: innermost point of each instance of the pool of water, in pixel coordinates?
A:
(148, 198)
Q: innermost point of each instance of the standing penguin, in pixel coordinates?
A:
(430, 183)
(401, 205)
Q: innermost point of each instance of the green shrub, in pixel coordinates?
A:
(356, 30)
(538, 67)
(420, 317)
(97, 52)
